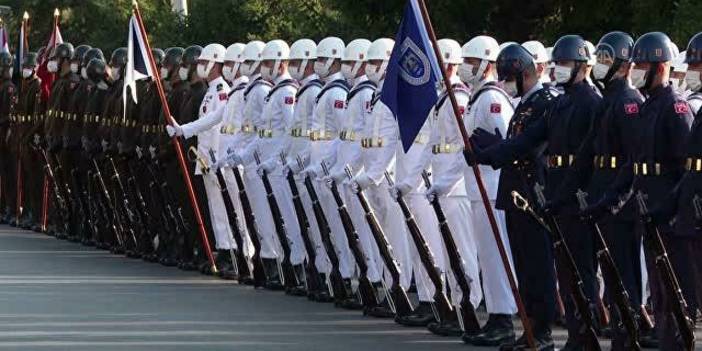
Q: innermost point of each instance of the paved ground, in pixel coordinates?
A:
(56, 295)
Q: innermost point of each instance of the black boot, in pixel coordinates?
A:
(497, 331)
(298, 290)
(420, 317)
(225, 265)
(448, 327)
(383, 310)
(270, 265)
(542, 339)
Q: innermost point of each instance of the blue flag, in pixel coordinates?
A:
(410, 88)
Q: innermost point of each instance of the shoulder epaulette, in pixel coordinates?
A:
(282, 84)
(458, 87)
(489, 86)
(360, 87)
(255, 83)
(313, 83)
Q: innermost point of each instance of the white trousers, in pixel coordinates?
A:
(358, 217)
(283, 196)
(458, 211)
(218, 213)
(338, 236)
(321, 260)
(233, 190)
(426, 221)
(262, 212)
(498, 294)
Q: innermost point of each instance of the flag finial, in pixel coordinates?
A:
(25, 16)
(56, 12)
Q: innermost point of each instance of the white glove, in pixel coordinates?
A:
(361, 182)
(436, 190)
(223, 162)
(268, 166)
(105, 145)
(174, 130)
(139, 151)
(400, 189)
(152, 151)
(310, 172)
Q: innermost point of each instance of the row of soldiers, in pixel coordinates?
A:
(305, 187)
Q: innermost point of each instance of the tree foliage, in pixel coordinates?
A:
(103, 23)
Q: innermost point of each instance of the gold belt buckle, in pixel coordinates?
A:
(644, 168)
(265, 133)
(613, 162)
(658, 168)
(698, 164)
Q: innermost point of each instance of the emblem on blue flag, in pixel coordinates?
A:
(414, 64)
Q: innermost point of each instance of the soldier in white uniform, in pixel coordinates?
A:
(490, 108)
(325, 125)
(449, 185)
(541, 58)
(301, 67)
(209, 68)
(274, 140)
(246, 140)
(348, 148)
(380, 142)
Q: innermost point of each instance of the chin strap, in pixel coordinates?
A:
(649, 76)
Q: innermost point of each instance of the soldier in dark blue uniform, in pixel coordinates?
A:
(562, 131)
(608, 146)
(682, 210)
(531, 246)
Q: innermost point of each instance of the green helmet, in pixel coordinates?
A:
(159, 55)
(30, 60)
(119, 58)
(91, 54)
(191, 54)
(96, 69)
(62, 51)
(6, 60)
(174, 56)
(79, 52)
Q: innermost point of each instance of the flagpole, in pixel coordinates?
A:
(481, 186)
(176, 141)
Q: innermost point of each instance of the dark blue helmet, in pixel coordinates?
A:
(512, 62)
(694, 50)
(119, 58)
(615, 45)
(653, 47)
(570, 48)
(91, 54)
(80, 52)
(159, 55)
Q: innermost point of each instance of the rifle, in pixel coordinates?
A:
(365, 287)
(158, 189)
(398, 300)
(61, 202)
(289, 278)
(613, 280)
(564, 257)
(114, 224)
(259, 275)
(654, 244)
(132, 220)
(468, 319)
(335, 280)
(150, 233)
(312, 281)
(241, 265)
(441, 305)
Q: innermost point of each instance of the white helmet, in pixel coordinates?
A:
(252, 52)
(679, 64)
(328, 50)
(213, 53)
(305, 50)
(276, 51)
(234, 54)
(482, 47)
(549, 51)
(381, 49)
(450, 51)
(355, 52)
(591, 51)
(537, 50)
(675, 51)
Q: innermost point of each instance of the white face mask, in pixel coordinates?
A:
(270, 73)
(600, 70)
(347, 71)
(228, 73)
(678, 84)
(692, 79)
(298, 73)
(115, 73)
(74, 67)
(27, 72)
(638, 78)
(202, 71)
(375, 73)
(465, 72)
(322, 67)
(183, 73)
(52, 66)
(511, 88)
(164, 73)
(84, 73)
(562, 74)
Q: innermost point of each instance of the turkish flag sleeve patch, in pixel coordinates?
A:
(495, 108)
(289, 100)
(339, 104)
(222, 96)
(681, 107)
(631, 109)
